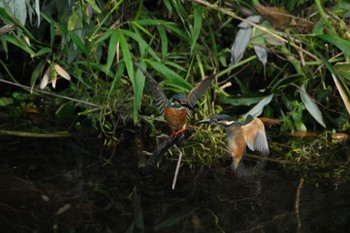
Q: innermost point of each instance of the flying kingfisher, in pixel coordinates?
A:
(177, 108)
(251, 133)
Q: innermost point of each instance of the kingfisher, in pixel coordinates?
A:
(251, 133)
(177, 108)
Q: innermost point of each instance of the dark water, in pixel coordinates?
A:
(76, 185)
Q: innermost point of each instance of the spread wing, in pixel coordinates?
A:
(161, 100)
(198, 91)
(256, 136)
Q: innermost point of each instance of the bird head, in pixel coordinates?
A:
(222, 120)
(180, 101)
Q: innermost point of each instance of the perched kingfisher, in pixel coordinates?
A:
(239, 135)
(177, 108)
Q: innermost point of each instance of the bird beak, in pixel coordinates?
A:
(205, 121)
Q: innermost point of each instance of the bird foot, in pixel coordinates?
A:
(175, 133)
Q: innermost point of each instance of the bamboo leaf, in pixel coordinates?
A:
(37, 11)
(19, 42)
(171, 26)
(258, 109)
(311, 107)
(117, 78)
(78, 42)
(343, 73)
(113, 43)
(42, 51)
(141, 42)
(164, 40)
(342, 44)
(78, 75)
(96, 66)
(36, 73)
(240, 45)
(261, 53)
(242, 39)
(171, 76)
(138, 84)
(197, 25)
(248, 101)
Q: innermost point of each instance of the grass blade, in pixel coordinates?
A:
(197, 25)
(137, 82)
(113, 43)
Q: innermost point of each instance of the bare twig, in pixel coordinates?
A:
(7, 28)
(177, 167)
(297, 202)
(49, 93)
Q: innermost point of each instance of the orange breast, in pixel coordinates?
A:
(176, 118)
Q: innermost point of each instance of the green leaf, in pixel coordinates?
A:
(117, 78)
(311, 107)
(144, 47)
(137, 82)
(197, 25)
(37, 11)
(173, 78)
(341, 81)
(78, 74)
(42, 51)
(78, 42)
(37, 72)
(94, 6)
(164, 40)
(19, 42)
(113, 43)
(171, 26)
(338, 78)
(245, 101)
(258, 109)
(297, 116)
(4, 101)
(96, 66)
(103, 37)
(342, 44)
(8, 18)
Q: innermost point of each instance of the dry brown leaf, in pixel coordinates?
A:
(302, 134)
(270, 121)
(45, 79)
(278, 17)
(340, 136)
(62, 72)
(64, 208)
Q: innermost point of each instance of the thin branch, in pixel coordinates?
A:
(49, 93)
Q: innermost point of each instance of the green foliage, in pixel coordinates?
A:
(181, 42)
